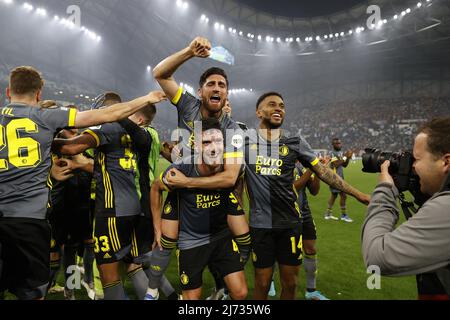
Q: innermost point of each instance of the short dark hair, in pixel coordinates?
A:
(112, 98)
(268, 94)
(210, 123)
(148, 111)
(438, 132)
(25, 80)
(213, 71)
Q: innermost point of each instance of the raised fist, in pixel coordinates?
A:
(200, 47)
(156, 97)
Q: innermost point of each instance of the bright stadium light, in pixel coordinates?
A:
(342, 34)
(408, 10)
(297, 39)
(28, 6)
(216, 25)
(396, 17)
(41, 12)
(7, 1)
(318, 38)
(419, 4)
(278, 39)
(259, 37)
(241, 33)
(403, 13)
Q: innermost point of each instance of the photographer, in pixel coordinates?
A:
(420, 246)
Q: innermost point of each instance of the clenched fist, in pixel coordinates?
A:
(155, 97)
(200, 47)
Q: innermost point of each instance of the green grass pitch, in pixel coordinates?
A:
(342, 274)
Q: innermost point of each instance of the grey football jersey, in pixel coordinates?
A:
(26, 135)
(114, 172)
(335, 156)
(202, 213)
(270, 173)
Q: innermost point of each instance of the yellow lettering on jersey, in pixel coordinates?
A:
(129, 161)
(207, 201)
(268, 166)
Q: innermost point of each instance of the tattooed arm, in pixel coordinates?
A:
(333, 180)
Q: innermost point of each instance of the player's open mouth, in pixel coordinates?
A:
(215, 99)
(277, 116)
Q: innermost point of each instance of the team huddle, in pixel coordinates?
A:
(97, 188)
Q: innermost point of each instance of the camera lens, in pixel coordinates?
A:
(373, 159)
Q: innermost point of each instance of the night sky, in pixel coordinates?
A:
(301, 8)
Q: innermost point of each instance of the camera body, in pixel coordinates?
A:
(401, 170)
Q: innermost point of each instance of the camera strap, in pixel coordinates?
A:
(408, 208)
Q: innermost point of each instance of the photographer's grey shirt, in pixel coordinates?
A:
(419, 245)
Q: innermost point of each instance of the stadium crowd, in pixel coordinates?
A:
(377, 123)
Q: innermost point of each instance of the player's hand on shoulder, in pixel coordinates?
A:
(200, 47)
(175, 179)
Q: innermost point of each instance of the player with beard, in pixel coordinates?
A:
(213, 93)
(275, 218)
(202, 218)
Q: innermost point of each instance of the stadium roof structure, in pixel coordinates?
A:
(140, 33)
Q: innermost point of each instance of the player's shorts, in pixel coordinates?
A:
(72, 227)
(115, 238)
(145, 236)
(25, 256)
(335, 191)
(221, 255)
(309, 227)
(276, 245)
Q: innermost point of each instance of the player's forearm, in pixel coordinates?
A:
(68, 147)
(155, 205)
(166, 68)
(303, 181)
(314, 186)
(222, 180)
(123, 110)
(333, 180)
